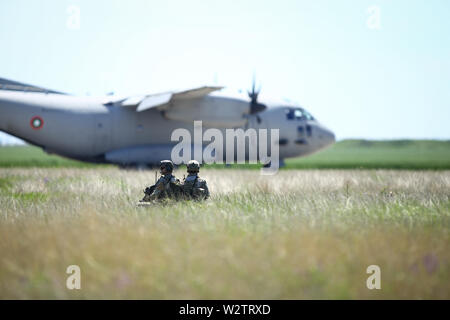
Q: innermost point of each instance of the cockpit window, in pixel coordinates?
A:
(290, 114)
(298, 114)
(308, 115)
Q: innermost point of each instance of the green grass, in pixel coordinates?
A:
(303, 234)
(347, 154)
(396, 154)
(6, 186)
(31, 156)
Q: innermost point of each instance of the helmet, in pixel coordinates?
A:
(193, 166)
(167, 164)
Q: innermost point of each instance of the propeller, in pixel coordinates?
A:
(255, 107)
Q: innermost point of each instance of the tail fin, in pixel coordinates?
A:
(6, 84)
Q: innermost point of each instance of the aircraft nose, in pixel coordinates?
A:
(331, 137)
(327, 136)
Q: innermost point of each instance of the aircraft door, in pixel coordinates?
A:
(301, 134)
(102, 133)
(304, 133)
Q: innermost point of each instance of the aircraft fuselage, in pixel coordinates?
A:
(85, 128)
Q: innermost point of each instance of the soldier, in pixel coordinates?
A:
(167, 186)
(194, 187)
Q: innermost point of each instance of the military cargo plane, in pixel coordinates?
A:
(136, 130)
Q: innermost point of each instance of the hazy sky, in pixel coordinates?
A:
(366, 69)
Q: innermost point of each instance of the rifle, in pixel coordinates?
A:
(149, 190)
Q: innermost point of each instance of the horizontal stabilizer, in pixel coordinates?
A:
(6, 84)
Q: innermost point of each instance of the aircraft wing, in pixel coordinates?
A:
(146, 102)
(184, 107)
(195, 93)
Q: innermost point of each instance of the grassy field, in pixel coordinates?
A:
(347, 154)
(31, 156)
(301, 234)
(396, 154)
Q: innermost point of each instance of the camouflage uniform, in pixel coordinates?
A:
(167, 186)
(193, 186)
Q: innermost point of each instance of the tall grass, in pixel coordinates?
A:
(300, 234)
